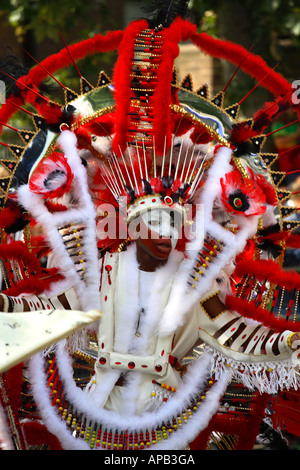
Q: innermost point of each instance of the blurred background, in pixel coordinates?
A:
(270, 27)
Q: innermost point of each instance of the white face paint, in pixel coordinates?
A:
(163, 224)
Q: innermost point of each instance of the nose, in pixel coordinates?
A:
(165, 231)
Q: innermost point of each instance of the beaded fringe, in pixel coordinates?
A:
(266, 377)
(160, 394)
(99, 437)
(76, 428)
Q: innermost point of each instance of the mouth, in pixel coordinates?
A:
(164, 245)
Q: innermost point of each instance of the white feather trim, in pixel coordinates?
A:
(199, 421)
(5, 437)
(193, 381)
(88, 291)
(183, 298)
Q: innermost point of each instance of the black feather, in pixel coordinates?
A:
(181, 191)
(11, 65)
(164, 12)
(243, 148)
(270, 230)
(131, 194)
(167, 181)
(147, 187)
(264, 244)
(271, 248)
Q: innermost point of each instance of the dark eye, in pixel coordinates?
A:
(239, 201)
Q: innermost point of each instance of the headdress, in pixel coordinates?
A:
(141, 135)
(145, 138)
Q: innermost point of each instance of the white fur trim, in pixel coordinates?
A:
(88, 291)
(199, 421)
(183, 298)
(84, 404)
(5, 437)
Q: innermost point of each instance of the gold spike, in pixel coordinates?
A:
(16, 150)
(26, 136)
(203, 91)
(187, 83)
(232, 111)
(9, 165)
(287, 211)
(269, 158)
(85, 86)
(283, 195)
(38, 121)
(289, 225)
(70, 95)
(218, 99)
(103, 80)
(277, 177)
(4, 183)
(258, 142)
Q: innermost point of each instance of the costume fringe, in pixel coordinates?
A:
(266, 377)
(83, 403)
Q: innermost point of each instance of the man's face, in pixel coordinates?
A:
(158, 231)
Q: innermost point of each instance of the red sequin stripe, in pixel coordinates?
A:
(145, 63)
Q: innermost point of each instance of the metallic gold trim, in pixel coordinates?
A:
(206, 313)
(179, 110)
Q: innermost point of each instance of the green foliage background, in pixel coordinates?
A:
(271, 27)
